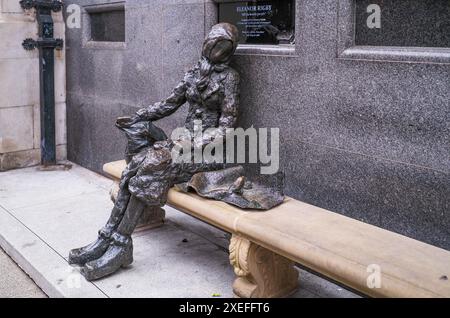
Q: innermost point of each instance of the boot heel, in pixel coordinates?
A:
(128, 260)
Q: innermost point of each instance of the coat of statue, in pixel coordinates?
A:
(211, 90)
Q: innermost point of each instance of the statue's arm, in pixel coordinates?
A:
(229, 109)
(230, 104)
(166, 107)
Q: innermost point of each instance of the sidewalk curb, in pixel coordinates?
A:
(49, 270)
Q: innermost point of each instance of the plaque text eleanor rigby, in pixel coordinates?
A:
(261, 22)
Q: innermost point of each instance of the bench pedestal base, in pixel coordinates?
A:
(261, 273)
(151, 217)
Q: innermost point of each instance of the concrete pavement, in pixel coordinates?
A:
(14, 282)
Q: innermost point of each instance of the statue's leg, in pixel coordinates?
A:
(120, 251)
(149, 187)
(82, 255)
(96, 249)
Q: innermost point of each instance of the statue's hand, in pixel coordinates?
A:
(127, 121)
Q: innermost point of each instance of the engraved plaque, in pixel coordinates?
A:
(261, 22)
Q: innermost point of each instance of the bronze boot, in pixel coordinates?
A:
(82, 255)
(119, 254)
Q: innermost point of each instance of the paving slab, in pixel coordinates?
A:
(15, 283)
(25, 187)
(44, 214)
(41, 262)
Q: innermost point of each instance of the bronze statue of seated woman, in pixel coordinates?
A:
(211, 89)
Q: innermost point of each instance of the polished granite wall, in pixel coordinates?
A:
(364, 132)
(405, 23)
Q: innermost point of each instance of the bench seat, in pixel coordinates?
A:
(366, 258)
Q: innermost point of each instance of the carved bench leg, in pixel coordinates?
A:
(261, 273)
(151, 218)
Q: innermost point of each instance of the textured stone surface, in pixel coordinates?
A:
(13, 32)
(99, 141)
(16, 284)
(19, 159)
(9, 6)
(45, 266)
(405, 23)
(19, 89)
(27, 158)
(401, 27)
(16, 129)
(20, 81)
(363, 138)
(414, 200)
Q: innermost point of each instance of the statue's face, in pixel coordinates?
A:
(221, 52)
(220, 43)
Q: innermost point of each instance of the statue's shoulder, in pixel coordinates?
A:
(232, 75)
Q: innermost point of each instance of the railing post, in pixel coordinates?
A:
(46, 45)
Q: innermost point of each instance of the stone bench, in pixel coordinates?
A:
(265, 246)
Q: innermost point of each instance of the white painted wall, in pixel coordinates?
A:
(19, 89)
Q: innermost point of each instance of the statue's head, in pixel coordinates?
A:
(220, 43)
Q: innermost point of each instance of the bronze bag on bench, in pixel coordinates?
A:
(231, 186)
